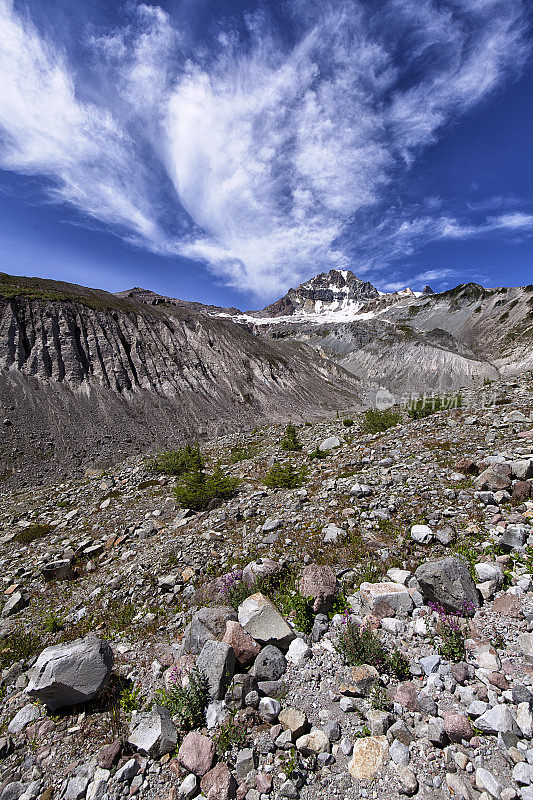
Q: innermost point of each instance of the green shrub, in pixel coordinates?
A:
(347, 423)
(451, 634)
(318, 453)
(242, 453)
(195, 489)
(376, 421)
(187, 703)
(425, 406)
(230, 736)
(130, 699)
(52, 623)
(290, 440)
(178, 462)
(358, 644)
(284, 476)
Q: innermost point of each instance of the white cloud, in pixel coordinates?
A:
(254, 158)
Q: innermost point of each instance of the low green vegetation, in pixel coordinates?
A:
(285, 476)
(347, 423)
(290, 440)
(230, 736)
(376, 421)
(19, 645)
(187, 703)
(242, 452)
(178, 462)
(358, 644)
(318, 453)
(196, 489)
(32, 533)
(427, 405)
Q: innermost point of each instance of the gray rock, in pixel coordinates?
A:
(188, 787)
(60, 570)
(16, 603)
(127, 771)
(153, 733)
(263, 621)
(448, 581)
(269, 709)
(245, 762)
(12, 791)
(28, 714)
(270, 664)
(407, 781)
(331, 443)
(498, 720)
(399, 752)
(208, 624)
(486, 782)
(430, 664)
(514, 538)
(421, 534)
(217, 663)
(68, 674)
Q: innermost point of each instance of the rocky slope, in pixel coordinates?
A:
(87, 376)
(420, 535)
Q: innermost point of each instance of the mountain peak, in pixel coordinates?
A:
(336, 290)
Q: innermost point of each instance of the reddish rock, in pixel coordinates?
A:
(498, 680)
(219, 783)
(521, 491)
(457, 727)
(407, 696)
(460, 672)
(263, 783)
(109, 754)
(467, 466)
(319, 582)
(244, 646)
(197, 753)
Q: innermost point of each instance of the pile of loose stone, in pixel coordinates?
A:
(441, 509)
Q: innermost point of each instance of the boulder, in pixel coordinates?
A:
(448, 581)
(496, 476)
(421, 534)
(262, 568)
(331, 443)
(395, 595)
(217, 663)
(332, 533)
(360, 681)
(313, 743)
(153, 733)
(197, 753)
(293, 720)
(498, 720)
(208, 624)
(68, 674)
(319, 583)
(523, 469)
(264, 623)
(369, 755)
(60, 570)
(244, 647)
(16, 603)
(270, 664)
(219, 783)
(514, 538)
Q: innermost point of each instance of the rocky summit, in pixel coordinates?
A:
(338, 608)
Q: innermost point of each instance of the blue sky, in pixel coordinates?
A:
(224, 151)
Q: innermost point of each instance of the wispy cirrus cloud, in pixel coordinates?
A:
(252, 153)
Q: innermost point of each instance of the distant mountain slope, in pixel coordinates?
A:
(88, 375)
(409, 342)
